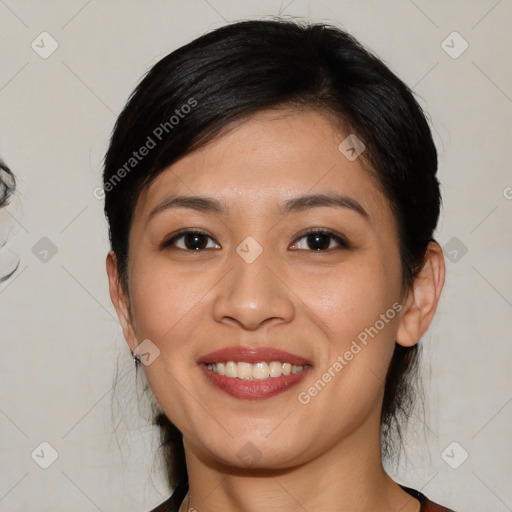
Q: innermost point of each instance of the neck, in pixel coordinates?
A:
(348, 477)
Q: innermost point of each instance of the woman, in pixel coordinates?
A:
(271, 194)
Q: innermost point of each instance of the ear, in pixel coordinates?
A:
(120, 300)
(422, 299)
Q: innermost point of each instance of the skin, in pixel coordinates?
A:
(324, 455)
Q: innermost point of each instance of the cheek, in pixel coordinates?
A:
(351, 298)
(358, 308)
(164, 302)
(168, 309)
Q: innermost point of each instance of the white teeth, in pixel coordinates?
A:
(230, 369)
(275, 369)
(244, 370)
(258, 371)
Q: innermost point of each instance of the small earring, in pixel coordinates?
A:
(136, 357)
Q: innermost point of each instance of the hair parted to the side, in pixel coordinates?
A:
(242, 68)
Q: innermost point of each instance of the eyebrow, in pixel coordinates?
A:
(296, 204)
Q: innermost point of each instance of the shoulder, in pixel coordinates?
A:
(426, 504)
(172, 504)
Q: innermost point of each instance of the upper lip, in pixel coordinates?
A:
(252, 355)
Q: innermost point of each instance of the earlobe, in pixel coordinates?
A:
(120, 300)
(423, 297)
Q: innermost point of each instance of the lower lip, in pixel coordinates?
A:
(254, 389)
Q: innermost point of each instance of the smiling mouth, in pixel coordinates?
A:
(254, 373)
(258, 371)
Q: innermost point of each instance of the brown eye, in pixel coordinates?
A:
(321, 240)
(190, 241)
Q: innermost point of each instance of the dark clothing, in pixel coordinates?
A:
(426, 504)
(172, 504)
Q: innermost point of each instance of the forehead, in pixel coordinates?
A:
(271, 156)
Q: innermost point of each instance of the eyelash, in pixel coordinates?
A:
(342, 241)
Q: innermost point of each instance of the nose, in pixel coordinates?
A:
(254, 293)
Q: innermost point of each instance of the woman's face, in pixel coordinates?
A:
(254, 279)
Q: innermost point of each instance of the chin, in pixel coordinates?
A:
(250, 459)
(252, 453)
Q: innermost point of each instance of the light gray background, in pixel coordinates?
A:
(61, 345)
